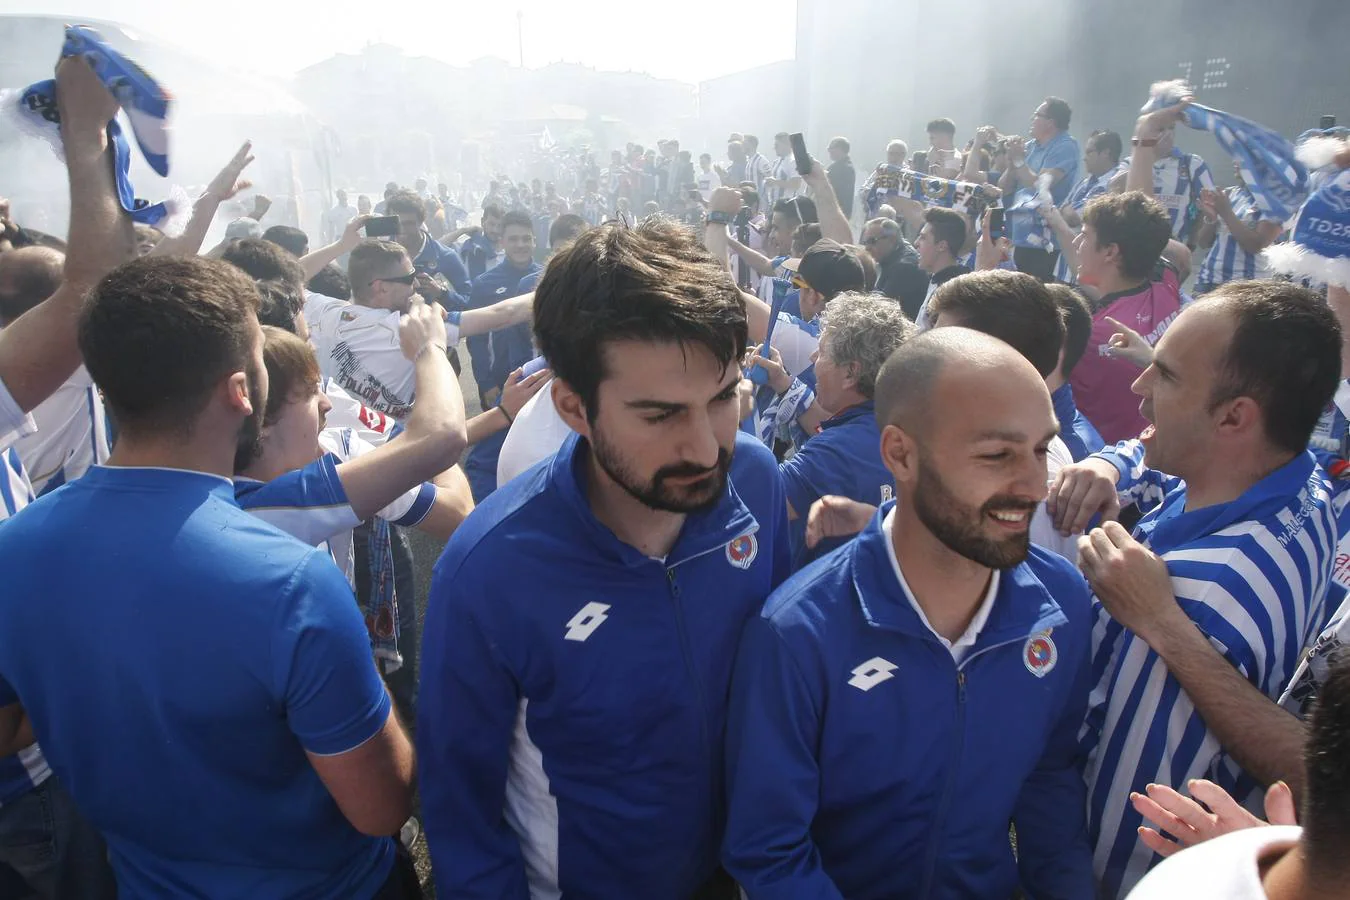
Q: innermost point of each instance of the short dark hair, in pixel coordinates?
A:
(292, 374)
(493, 211)
(654, 282)
(519, 218)
(1058, 111)
(279, 304)
(159, 333)
(331, 281)
(840, 142)
(406, 201)
(799, 210)
(941, 126)
(1011, 306)
(28, 276)
(1285, 353)
(565, 228)
(1108, 141)
(1077, 316)
(1136, 224)
(804, 236)
(263, 260)
(782, 136)
(370, 258)
(948, 228)
(1326, 799)
(292, 240)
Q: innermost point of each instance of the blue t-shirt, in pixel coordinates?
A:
(844, 459)
(1060, 152)
(176, 677)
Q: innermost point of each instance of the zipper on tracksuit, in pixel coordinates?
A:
(930, 865)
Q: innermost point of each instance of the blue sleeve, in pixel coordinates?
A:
(426, 498)
(1137, 483)
(1063, 157)
(466, 713)
(454, 270)
(334, 700)
(1054, 856)
(806, 477)
(773, 777)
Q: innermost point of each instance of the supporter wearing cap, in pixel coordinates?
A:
(658, 532)
(294, 769)
(1239, 530)
(898, 702)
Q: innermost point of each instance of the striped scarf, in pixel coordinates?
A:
(930, 190)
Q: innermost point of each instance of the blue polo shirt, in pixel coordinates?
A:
(843, 459)
(176, 678)
(1078, 434)
(437, 259)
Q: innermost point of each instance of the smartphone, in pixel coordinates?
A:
(533, 366)
(382, 226)
(1327, 122)
(799, 154)
(997, 225)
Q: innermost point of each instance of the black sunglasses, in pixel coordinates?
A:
(401, 279)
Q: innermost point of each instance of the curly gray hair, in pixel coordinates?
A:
(863, 330)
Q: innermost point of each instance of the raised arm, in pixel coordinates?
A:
(1147, 129)
(315, 260)
(756, 260)
(223, 187)
(833, 223)
(39, 350)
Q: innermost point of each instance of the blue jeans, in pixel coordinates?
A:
(56, 853)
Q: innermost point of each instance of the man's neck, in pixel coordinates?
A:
(1214, 485)
(195, 454)
(948, 587)
(941, 265)
(1117, 283)
(1287, 874)
(653, 532)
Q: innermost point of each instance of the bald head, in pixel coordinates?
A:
(918, 376)
(28, 276)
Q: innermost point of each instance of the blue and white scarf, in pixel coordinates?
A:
(145, 103)
(930, 190)
(1276, 178)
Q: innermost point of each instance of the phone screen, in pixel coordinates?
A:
(799, 154)
(997, 226)
(382, 226)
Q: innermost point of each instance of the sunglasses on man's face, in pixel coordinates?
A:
(401, 279)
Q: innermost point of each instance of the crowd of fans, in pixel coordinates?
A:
(816, 538)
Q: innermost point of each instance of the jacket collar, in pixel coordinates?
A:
(849, 414)
(1022, 607)
(702, 532)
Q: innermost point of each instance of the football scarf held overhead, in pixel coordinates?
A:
(145, 103)
(930, 190)
(1276, 178)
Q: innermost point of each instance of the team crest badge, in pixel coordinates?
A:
(1039, 654)
(742, 551)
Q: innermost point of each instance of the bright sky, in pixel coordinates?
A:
(670, 40)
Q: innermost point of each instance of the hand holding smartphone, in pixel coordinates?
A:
(382, 226)
(803, 159)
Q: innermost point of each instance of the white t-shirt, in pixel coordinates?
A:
(1224, 868)
(707, 183)
(358, 348)
(1043, 533)
(72, 434)
(536, 435)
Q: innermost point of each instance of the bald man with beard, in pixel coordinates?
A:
(898, 702)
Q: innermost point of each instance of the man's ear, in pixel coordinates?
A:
(900, 454)
(237, 396)
(570, 408)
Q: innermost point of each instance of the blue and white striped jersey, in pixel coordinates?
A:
(1178, 179)
(1227, 260)
(25, 770)
(72, 435)
(1252, 574)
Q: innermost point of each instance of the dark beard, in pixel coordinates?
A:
(249, 445)
(657, 494)
(959, 528)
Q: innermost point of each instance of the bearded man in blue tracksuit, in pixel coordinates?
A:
(583, 621)
(902, 700)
